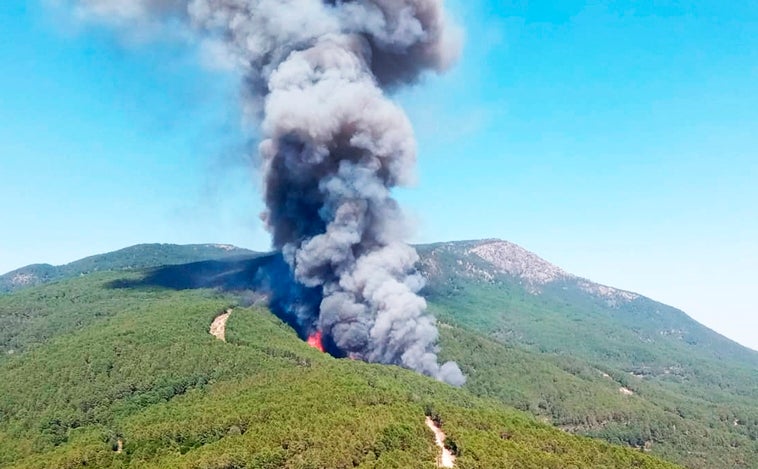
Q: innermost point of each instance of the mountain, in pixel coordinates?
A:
(136, 257)
(603, 322)
(117, 374)
(591, 359)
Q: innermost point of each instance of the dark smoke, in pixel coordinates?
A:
(332, 147)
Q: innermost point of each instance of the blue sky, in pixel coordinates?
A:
(618, 140)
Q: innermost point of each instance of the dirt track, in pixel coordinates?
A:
(446, 458)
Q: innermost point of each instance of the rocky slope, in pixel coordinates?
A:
(503, 258)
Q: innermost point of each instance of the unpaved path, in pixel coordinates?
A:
(218, 326)
(446, 458)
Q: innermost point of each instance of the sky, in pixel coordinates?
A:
(616, 139)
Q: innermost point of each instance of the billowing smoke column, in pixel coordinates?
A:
(332, 148)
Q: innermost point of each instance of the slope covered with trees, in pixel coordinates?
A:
(130, 377)
(595, 360)
(140, 256)
(589, 359)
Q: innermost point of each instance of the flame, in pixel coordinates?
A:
(315, 341)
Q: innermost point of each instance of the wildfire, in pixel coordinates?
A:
(315, 341)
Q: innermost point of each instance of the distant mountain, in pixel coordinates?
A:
(591, 359)
(135, 257)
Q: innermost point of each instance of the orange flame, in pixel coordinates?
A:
(315, 341)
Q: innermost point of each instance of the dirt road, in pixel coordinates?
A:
(446, 458)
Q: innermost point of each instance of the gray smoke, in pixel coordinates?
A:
(333, 145)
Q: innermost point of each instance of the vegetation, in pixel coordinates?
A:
(585, 399)
(135, 257)
(638, 374)
(130, 377)
(564, 355)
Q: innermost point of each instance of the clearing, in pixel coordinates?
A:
(218, 326)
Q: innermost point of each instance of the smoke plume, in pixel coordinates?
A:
(332, 148)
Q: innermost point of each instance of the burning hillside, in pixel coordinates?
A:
(332, 147)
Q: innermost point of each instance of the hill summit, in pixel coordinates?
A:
(506, 258)
(135, 257)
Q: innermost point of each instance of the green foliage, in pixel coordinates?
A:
(559, 353)
(135, 257)
(137, 368)
(563, 355)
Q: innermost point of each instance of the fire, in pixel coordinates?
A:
(315, 341)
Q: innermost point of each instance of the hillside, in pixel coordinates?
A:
(681, 390)
(623, 323)
(131, 377)
(134, 257)
(591, 359)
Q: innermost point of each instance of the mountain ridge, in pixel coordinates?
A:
(537, 270)
(504, 258)
(144, 255)
(511, 258)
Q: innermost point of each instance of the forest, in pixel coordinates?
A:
(102, 376)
